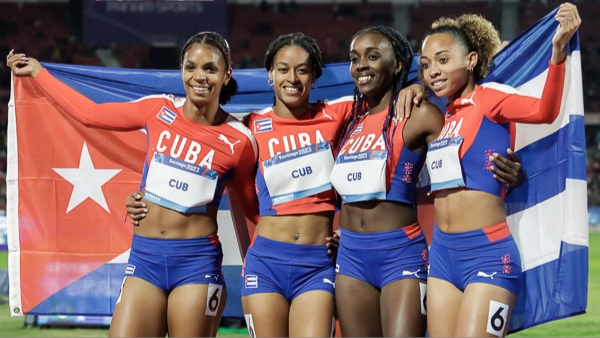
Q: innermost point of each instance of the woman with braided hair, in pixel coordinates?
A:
(288, 273)
(382, 259)
(475, 267)
(288, 276)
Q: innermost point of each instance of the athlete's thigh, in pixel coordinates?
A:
(141, 310)
(357, 305)
(195, 310)
(485, 311)
(311, 314)
(402, 308)
(443, 301)
(266, 314)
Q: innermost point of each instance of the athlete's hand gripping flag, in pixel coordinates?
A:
(67, 185)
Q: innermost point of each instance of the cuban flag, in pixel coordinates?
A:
(548, 214)
(66, 187)
(166, 115)
(261, 126)
(68, 236)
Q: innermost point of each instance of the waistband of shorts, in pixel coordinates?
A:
(284, 250)
(384, 239)
(180, 245)
(468, 239)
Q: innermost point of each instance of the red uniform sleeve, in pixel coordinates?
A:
(242, 183)
(512, 107)
(122, 116)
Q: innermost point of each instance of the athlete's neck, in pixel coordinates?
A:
(211, 116)
(299, 113)
(379, 104)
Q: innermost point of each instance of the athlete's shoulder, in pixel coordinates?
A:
(238, 126)
(341, 100)
(164, 99)
(426, 110)
(488, 88)
(340, 107)
(426, 118)
(262, 112)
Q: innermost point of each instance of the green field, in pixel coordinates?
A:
(586, 325)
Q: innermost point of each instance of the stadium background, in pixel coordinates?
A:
(148, 34)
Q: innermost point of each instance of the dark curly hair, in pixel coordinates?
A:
(475, 34)
(217, 41)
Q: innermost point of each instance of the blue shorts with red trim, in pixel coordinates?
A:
(384, 257)
(169, 263)
(286, 268)
(489, 255)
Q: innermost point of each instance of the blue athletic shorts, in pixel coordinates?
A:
(383, 257)
(169, 263)
(489, 255)
(286, 268)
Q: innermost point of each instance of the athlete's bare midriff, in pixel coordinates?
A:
(310, 229)
(376, 216)
(165, 223)
(461, 210)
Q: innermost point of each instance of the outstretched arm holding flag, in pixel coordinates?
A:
(173, 280)
(475, 263)
(68, 245)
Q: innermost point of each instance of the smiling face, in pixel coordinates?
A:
(444, 65)
(204, 72)
(373, 65)
(292, 76)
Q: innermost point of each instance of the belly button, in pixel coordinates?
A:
(164, 232)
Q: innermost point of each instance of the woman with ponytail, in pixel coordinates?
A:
(173, 282)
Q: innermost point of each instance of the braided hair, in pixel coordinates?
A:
(402, 53)
(217, 41)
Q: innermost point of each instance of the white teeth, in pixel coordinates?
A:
(291, 89)
(363, 78)
(200, 89)
(437, 83)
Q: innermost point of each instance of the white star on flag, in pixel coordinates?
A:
(87, 181)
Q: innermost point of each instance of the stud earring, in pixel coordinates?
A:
(270, 82)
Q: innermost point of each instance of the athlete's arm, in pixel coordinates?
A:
(504, 104)
(569, 22)
(112, 116)
(242, 183)
(407, 98)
